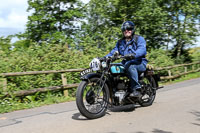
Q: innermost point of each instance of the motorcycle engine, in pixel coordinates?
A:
(119, 96)
(121, 85)
(121, 88)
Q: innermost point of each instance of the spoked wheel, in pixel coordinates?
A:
(149, 91)
(92, 98)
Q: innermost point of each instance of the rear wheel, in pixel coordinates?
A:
(92, 98)
(149, 91)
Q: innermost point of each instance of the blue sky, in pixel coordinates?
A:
(13, 17)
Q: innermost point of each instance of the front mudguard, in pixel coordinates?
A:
(90, 75)
(87, 77)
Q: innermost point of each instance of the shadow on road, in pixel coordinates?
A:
(125, 108)
(160, 131)
(78, 116)
(197, 114)
(157, 131)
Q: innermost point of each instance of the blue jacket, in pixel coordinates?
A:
(125, 48)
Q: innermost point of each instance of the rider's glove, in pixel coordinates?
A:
(129, 56)
(150, 67)
(104, 58)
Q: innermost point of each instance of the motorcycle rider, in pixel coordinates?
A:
(128, 45)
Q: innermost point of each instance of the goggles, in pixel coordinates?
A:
(127, 27)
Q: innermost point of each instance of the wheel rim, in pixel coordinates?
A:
(94, 99)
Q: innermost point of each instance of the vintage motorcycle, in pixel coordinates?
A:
(106, 84)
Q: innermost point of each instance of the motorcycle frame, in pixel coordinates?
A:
(108, 78)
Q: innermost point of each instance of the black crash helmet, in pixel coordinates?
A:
(128, 25)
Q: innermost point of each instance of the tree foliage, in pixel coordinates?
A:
(163, 23)
(5, 43)
(52, 20)
(182, 22)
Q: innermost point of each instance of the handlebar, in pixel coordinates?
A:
(116, 57)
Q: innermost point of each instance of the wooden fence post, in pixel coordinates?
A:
(3, 83)
(192, 67)
(170, 74)
(185, 69)
(64, 82)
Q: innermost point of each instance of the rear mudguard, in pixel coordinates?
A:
(157, 78)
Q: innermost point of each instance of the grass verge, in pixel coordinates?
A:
(182, 78)
(14, 104)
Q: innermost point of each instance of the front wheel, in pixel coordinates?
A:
(149, 91)
(92, 98)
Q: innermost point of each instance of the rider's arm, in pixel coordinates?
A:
(141, 48)
(112, 51)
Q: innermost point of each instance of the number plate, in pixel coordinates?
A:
(86, 71)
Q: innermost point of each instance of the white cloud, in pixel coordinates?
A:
(13, 3)
(85, 1)
(14, 20)
(13, 14)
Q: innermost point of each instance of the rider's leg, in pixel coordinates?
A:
(132, 71)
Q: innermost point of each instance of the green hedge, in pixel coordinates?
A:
(57, 57)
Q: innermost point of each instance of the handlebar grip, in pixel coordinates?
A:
(129, 56)
(105, 58)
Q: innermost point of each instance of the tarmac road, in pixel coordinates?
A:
(176, 110)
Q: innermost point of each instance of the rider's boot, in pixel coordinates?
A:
(135, 93)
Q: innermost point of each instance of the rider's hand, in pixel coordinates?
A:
(104, 58)
(129, 56)
(150, 67)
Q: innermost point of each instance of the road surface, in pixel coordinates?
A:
(176, 110)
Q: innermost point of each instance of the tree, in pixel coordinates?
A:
(161, 22)
(109, 15)
(52, 20)
(181, 23)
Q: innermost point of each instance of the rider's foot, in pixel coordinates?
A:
(135, 93)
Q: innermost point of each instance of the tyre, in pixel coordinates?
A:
(92, 99)
(149, 91)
